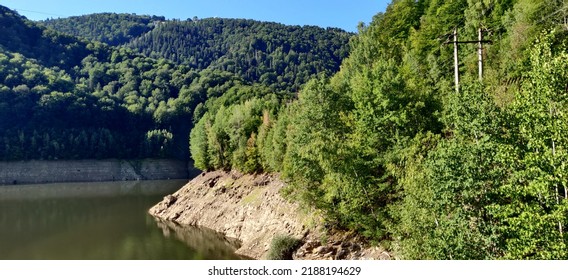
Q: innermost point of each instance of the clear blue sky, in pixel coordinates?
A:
(345, 14)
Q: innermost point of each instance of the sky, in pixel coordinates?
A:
(345, 14)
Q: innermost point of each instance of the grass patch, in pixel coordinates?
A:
(282, 247)
(254, 198)
(228, 183)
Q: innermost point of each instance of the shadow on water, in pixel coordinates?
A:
(106, 220)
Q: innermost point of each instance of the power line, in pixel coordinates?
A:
(36, 12)
(484, 13)
(563, 9)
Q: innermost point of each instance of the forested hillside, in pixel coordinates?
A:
(65, 98)
(68, 98)
(110, 28)
(275, 55)
(62, 98)
(388, 147)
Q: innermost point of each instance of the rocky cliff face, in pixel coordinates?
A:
(250, 208)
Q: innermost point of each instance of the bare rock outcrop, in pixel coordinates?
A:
(249, 208)
(246, 207)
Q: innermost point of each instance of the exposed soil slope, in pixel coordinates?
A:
(251, 209)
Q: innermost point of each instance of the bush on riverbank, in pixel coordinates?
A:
(282, 247)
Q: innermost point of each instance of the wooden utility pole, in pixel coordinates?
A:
(456, 61)
(480, 54)
(480, 42)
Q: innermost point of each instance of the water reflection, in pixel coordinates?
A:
(89, 190)
(96, 221)
(206, 241)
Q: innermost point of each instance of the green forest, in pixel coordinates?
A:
(386, 147)
(94, 97)
(368, 129)
(109, 28)
(280, 57)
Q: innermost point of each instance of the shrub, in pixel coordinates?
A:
(282, 247)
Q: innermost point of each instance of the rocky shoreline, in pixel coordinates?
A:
(250, 209)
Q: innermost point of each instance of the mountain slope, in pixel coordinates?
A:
(110, 28)
(46, 46)
(279, 56)
(271, 53)
(65, 97)
(391, 148)
(61, 97)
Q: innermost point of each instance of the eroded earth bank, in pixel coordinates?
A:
(250, 208)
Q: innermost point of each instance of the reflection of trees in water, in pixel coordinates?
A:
(38, 218)
(90, 190)
(71, 228)
(52, 207)
(208, 243)
(84, 224)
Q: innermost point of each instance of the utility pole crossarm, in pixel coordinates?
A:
(480, 43)
(471, 42)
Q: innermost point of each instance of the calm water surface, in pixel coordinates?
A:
(99, 221)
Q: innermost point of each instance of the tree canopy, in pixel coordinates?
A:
(68, 97)
(279, 56)
(110, 28)
(386, 146)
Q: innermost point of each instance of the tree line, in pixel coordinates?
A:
(387, 148)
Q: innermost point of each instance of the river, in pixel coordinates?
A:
(105, 220)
